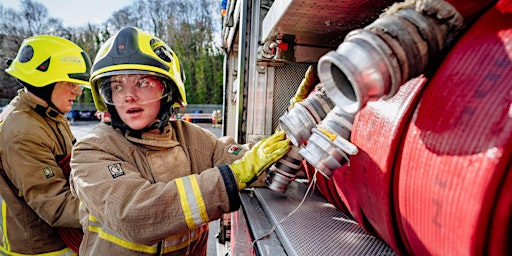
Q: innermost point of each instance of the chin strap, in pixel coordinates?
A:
(164, 120)
(159, 124)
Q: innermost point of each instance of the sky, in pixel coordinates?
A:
(76, 13)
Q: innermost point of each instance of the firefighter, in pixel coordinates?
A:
(149, 185)
(218, 118)
(34, 137)
(214, 119)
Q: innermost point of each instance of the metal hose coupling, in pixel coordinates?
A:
(403, 43)
(328, 146)
(304, 115)
(282, 173)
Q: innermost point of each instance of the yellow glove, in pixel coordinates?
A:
(306, 86)
(264, 154)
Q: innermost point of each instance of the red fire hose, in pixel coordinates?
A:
(378, 130)
(453, 168)
(432, 174)
(326, 187)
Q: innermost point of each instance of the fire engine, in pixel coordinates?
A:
(402, 130)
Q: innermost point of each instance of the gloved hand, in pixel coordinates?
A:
(306, 86)
(261, 156)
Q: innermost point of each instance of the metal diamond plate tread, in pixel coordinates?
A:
(316, 227)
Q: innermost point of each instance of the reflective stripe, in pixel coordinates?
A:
(105, 234)
(123, 243)
(3, 220)
(170, 244)
(5, 250)
(192, 201)
(63, 252)
(180, 241)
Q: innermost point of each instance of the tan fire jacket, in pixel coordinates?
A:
(34, 194)
(154, 194)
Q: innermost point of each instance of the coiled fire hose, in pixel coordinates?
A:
(403, 43)
(456, 157)
(433, 164)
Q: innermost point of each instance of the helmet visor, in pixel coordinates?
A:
(125, 89)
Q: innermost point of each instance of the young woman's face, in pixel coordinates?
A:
(137, 99)
(64, 94)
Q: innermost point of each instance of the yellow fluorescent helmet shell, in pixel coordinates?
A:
(134, 49)
(45, 59)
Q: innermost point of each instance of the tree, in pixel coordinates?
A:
(188, 26)
(31, 20)
(124, 17)
(8, 48)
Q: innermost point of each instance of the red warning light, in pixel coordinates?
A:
(283, 46)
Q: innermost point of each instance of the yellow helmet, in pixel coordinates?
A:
(44, 60)
(137, 52)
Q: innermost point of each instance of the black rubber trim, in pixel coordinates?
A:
(231, 187)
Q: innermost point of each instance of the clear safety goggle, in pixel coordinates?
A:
(75, 88)
(125, 89)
